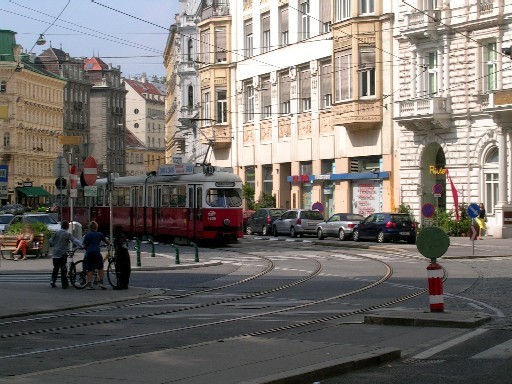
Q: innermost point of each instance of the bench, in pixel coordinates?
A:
(8, 245)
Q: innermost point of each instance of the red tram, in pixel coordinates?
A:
(181, 202)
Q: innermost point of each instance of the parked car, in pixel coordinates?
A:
(261, 221)
(340, 225)
(6, 218)
(297, 222)
(245, 218)
(385, 226)
(52, 224)
(14, 209)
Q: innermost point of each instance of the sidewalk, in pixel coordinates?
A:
(304, 357)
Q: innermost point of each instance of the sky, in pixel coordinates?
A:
(103, 28)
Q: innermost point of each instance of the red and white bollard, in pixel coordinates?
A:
(435, 287)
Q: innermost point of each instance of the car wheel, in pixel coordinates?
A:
(319, 234)
(264, 230)
(355, 235)
(248, 230)
(380, 237)
(341, 234)
(292, 232)
(274, 231)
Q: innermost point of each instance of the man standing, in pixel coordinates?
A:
(60, 243)
(93, 259)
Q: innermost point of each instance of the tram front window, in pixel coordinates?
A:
(227, 198)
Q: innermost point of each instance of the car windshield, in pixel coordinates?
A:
(312, 215)
(403, 218)
(5, 219)
(42, 219)
(354, 217)
(276, 212)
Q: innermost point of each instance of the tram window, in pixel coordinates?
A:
(149, 197)
(217, 197)
(173, 202)
(166, 196)
(182, 196)
(100, 197)
(141, 197)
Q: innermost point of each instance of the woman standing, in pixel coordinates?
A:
(122, 256)
(481, 220)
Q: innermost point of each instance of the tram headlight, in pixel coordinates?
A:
(227, 222)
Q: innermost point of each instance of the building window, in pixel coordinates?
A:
(342, 75)
(342, 9)
(326, 84)
(248, 39)
(190, 97)
(491, 67)
(205, 47)
(325, 16)
(431, 5)
(190, 48)
(249, 103)
(491, 177)
(305, 89)
(266, 99)
(366, 6)
(267, 179)
(432, 75)
(206, 108)
(265, 32)
(284, 93)
(220, 45)
(305, 19)
(7, 139)
(136, 111)
(222, 107)
(3, 86)
(283, 26)
(367, 72)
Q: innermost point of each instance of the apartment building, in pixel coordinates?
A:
(454, 106)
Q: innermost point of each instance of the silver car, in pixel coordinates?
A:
(297, 222)
(340, 225)
(4, 220)
(52, 224)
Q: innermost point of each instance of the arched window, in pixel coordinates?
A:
(190, 96)
(190, 48)
(3, 86)
(491, 180)
(7, 140)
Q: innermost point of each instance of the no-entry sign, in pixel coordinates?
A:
(90, 172)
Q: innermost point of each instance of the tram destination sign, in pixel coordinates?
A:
(175, 169)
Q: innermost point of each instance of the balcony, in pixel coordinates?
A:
(189, 67)
(219, 135)
(424, 114)
(358, 114)
(499, 105)
(419, 25)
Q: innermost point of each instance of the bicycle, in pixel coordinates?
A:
(78, 276)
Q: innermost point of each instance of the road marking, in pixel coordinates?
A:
(441, 347)
(501, 351)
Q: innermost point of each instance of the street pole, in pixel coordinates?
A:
(110, 183)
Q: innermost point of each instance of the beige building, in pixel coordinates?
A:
(31, 121)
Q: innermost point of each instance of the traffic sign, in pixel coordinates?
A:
(428, 210)
(90, 170)
(70, 140)
(473, 232)
(473, 210)
(437, 190)
(318, 206)
(73, 177)
(432, 242)
(60, 167)
(61, 183)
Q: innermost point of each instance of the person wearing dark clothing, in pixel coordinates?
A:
(122, 258)
(93, 259)
(60, 243)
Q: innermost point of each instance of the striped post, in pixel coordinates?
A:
(435, 287)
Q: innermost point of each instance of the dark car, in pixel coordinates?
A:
(261, 221)
(385, 226)
(340, 225)
(297, 222)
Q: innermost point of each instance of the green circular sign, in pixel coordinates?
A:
(432, 242)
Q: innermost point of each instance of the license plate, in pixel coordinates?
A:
(405, 233)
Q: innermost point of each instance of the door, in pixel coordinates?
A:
(195, 217)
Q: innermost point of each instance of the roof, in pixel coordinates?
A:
(131, 140)
(95, 64)
(142, 88)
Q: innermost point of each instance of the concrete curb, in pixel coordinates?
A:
(421, 318)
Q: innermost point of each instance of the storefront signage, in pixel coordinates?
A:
(503, 98)
(366, 197)
(322, 177)
(300, 178)
(507, 217)
(433, 170)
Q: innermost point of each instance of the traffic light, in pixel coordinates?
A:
(507, 51)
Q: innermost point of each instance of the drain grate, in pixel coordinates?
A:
(422, 361)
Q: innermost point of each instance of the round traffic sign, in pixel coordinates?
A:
(432, 242)
(90, 170)
(73, 177)
(437, 189)
(428, 210)
(473, 210)
(318, 206)
(60, 183)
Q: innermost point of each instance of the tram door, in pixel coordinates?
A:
(137, 217)
(195, 205)
(157, 203)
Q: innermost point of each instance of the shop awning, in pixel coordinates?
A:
(33, 191)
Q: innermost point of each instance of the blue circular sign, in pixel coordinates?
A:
(473, 210)
(437, 189)
(318, 206)
(428, 210)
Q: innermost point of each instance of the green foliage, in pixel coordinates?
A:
(265, 201)
(248, 194)
(406, 209)
(447, 222)
(36, 228)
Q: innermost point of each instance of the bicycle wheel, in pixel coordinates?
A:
(77, 275)
(113, 277)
